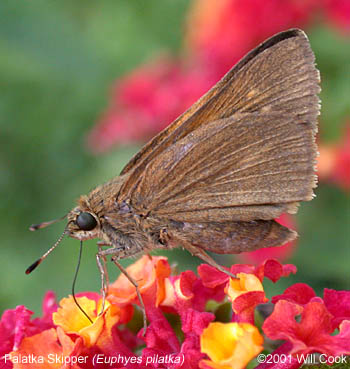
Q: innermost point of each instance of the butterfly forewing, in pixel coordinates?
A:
(245, 150)
(277, 75)
(223, 170)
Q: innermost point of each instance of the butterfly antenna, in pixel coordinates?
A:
(37, 262)
(35, 227)
(75, 279)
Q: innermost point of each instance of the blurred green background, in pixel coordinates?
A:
(58, 60)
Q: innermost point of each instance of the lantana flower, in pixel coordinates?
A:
(313, 333)
(72, 321)
(149, 273)
(245, 293)
(230, 345)
(43, 350)
(184, 331)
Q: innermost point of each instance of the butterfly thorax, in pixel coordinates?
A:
(118, 223)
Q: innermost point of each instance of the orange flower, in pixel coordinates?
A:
(71, 320)
(174, 289)
(205, 21)
(230, 345)
(169, 289)
(243, 284)
(245, 293)
(149, 273)
(48, 349)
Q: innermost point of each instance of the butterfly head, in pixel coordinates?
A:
(83, 223)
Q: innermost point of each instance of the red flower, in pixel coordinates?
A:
(341, 172)
(338, 304)
(146, 101)
(312, 333)
(15, 324)
(271, 269)
(245, 293)
(299, 293)
(338, 12)
(187, 296)
(300, 318)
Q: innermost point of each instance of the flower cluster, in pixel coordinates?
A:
(189, 325)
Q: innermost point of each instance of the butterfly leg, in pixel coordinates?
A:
(113, 251)
(134, 283)
(200, 253)
(99, 245)
(101, 264)
(197, 251)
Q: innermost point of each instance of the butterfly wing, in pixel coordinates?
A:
(279, 75)
(221, 150)
(249, 166)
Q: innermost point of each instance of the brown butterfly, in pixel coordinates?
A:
(218, 176)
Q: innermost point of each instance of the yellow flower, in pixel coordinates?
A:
(71, 320)
(230, 345)
(244, 283)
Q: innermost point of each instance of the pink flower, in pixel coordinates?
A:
(272, 269)
(15, 324)
(189, 336)
(146, 101)
(188, 291)
(247, 291)
(338, 304)
(299, 293)
(338, 12)
(312, 333)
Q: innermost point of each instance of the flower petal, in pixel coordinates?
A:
(231, 344)
(69, 316)
(300, 293)
(312, 333)
(338, 304)
(149, 273)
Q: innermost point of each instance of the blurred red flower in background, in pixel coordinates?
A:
(334, 161)
(146, 101)
(338, 12)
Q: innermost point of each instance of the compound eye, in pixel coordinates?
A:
(86, 221)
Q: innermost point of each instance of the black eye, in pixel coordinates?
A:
(86, 221)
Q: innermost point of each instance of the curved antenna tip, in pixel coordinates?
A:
(33, 266)
(34, 227)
